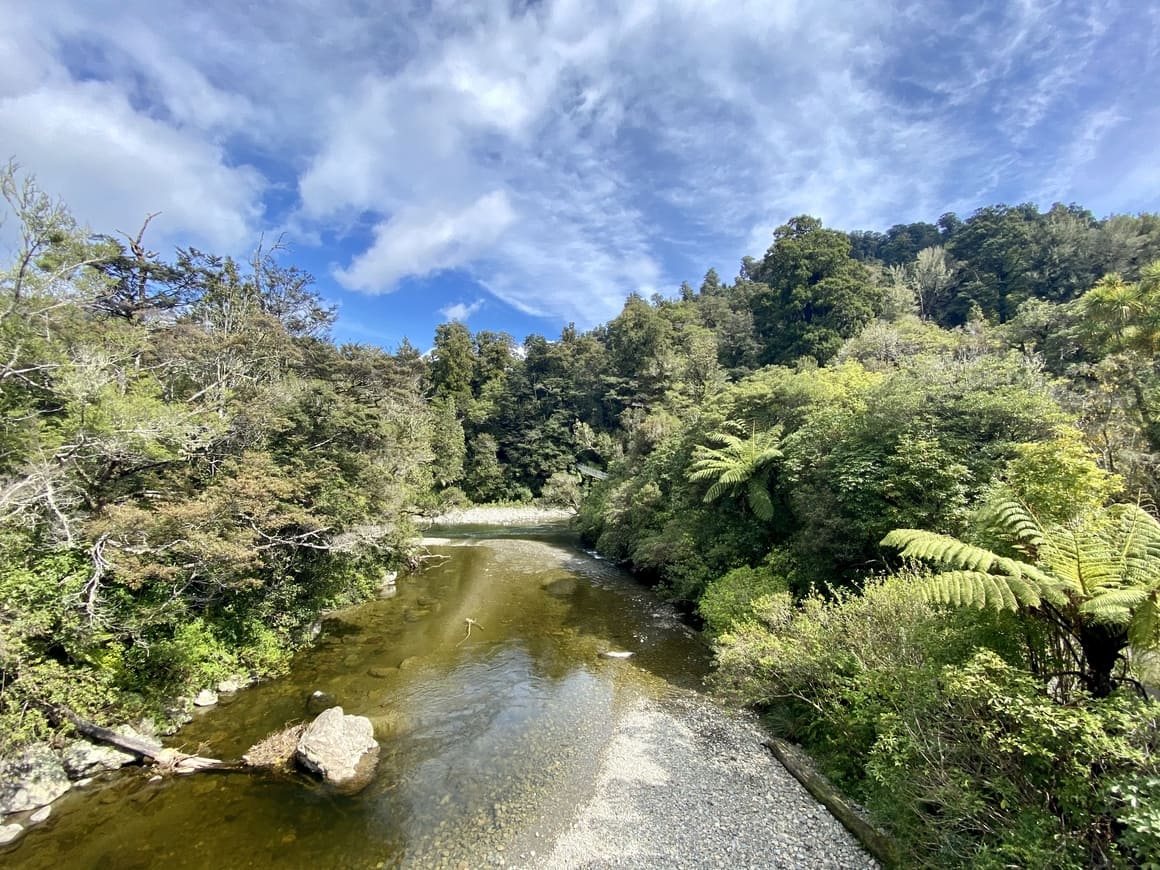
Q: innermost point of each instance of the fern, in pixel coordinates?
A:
(1101, 568)
(739, 462)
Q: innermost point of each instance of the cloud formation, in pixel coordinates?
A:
(461, 311)
(563, 153)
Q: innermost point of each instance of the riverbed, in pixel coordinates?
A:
(489, 736)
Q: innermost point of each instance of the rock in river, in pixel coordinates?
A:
(205, 698)
(341, 748)
(82, 758)
(318, 700)
(31, 780)
(9, 833)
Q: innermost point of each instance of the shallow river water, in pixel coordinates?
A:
(489, 740)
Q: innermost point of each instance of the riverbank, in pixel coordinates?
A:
(684, 783)
(503, 515)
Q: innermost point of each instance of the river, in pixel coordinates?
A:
(490, 739)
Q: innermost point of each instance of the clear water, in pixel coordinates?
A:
(488, 740)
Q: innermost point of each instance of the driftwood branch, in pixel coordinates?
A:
(168, 759)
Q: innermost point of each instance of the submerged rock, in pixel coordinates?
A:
(318, 701)
(616, 654)
(341, 749)
(232, 684)
(563, 587)
(30, 780)
(81, 758)
(389, 723)
(41, 815)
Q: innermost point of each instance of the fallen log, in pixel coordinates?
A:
(873, 840)
(170, 760)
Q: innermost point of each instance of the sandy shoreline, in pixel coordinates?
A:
(501, 515)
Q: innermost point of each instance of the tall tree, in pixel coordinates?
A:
(816, 296)
(453, 364)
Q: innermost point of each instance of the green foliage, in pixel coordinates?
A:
(828, 670)
(729, 599)
(562, 490)
(960, 753)
(189, 470)
(741, 462)
(1059, 478)
(817, 295)
(1095, 578)
(992, 773)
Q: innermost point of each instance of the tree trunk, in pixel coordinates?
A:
(1101, 645)
(169, 759)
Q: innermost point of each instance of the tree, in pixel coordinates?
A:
(932, 275)
(453, 364)
(816, 295)
(1095, 579)
(741, 464)
(1121, 322)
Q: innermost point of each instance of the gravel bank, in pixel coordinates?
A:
(499, 515)
(685, 784)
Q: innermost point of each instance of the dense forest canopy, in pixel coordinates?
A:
(191, 470)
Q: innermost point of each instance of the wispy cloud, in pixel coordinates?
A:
(461, 311)
(564, 153)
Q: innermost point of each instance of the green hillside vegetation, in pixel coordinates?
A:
(906, 479)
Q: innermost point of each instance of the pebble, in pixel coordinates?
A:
(684, 783)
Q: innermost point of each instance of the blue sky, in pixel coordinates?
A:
(520, 165)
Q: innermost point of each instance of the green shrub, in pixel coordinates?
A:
(562, 490)
(994, 773)
(826, 670)
(729, 599)
(928, 717)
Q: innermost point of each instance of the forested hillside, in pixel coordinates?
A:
(907, 479)
(190, 469)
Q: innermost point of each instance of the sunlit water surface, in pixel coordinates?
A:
(488, 740)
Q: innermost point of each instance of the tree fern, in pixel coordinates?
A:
(1098, 575)
(740, 463)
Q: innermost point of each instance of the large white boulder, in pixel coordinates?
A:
(340, 748)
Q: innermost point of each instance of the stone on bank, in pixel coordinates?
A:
(82, 759)
(31, 780)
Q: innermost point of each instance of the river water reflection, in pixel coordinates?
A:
(489, 739)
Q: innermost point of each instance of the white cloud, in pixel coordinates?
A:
(114, 161)
(418, 242)
(566, 152)
(461, 311)
(115, 166)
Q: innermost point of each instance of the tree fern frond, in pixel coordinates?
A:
(759, 500)
(1144, 629)
(1115, 605)
(1014, 520)
(918, 544)
(740, 462)
(969, 588)
(715, 492)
